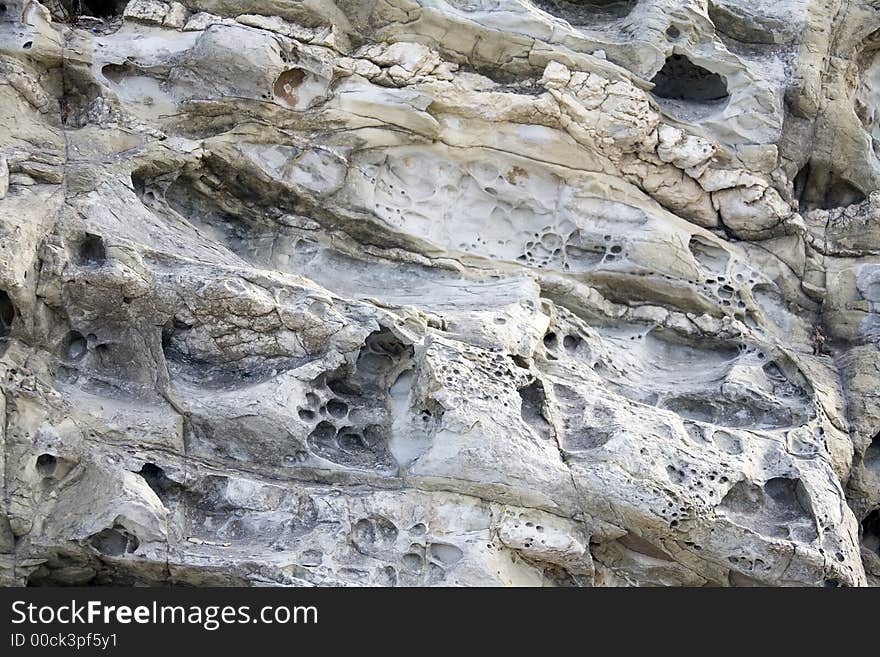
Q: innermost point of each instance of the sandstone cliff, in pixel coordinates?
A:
(440, 292)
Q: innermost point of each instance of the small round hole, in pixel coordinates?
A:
(46, 464)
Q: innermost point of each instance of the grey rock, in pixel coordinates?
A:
(440, 292)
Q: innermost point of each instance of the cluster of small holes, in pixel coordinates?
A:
(700, 485)
(724, 280)
(725, 291)
(340, 413)
(430, 560)
(479, 375)
(337, 438)
(567, 251)
(569, 343)
(544, 249)
(613, 250)
(535, 532)
(396, 199)
(46, 464)
(522, 225)
(674, 514)
(374, 535)
(840, 558)
(748, 564)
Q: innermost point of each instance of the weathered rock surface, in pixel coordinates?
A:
(440, 292)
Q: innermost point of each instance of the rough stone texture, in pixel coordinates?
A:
(440, 292)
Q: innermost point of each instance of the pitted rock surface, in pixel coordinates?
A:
(440, 292)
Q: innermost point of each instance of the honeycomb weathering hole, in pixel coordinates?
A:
(681, 79)
(816, 186)
(7, 314)
(287, 84)
(586, 12)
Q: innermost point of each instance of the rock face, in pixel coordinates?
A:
(440, 292)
